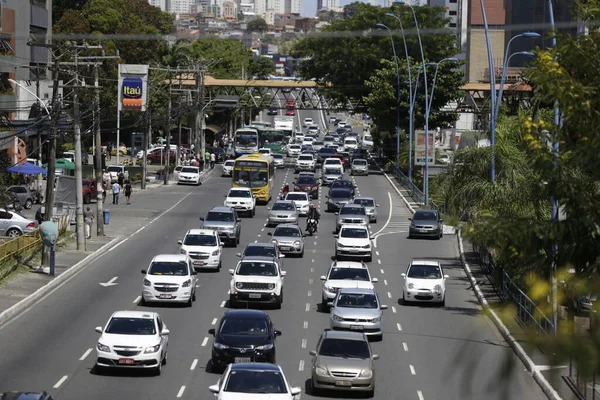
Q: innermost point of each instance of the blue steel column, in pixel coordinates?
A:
(492, 94)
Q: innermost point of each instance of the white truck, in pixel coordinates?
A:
(115, 170)
(284, 123)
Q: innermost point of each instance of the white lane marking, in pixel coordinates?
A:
(223, 303)
(398, 326)
(382, 272)
(388, 219)
(300, 366)
(394, 310)
(307, 308)
(385, 281)
(378, 261)
(309, 294)
(385, 234)
(214, 321)
(315, 242)
(420, 394)
(118, 244)
(303, 343)
(229, 291)
(389, 295)
(204, 341)
(377, 253)
(259, 235)
(262, 230)
(305, 324)
(137, 299)
(139, 230)
(313, 260)
(256, 241)
(310, 281)
(312, 270)
(194, 363)
(180, 393)
(61, 381)
(314, 251)
(412, 370)
(87, 353)
(405, 346)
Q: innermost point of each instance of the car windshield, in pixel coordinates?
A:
(354, 233)
(283, 206)
(263, 382)
(297, 196)
(317, 143)
(328, 139)
(245, 141)
(178, 268)
(368, 138)
(190, 170)
(200, 240)
(264, 151)
(342, 184)
(306, 180)
(219, 216)
(360, 162)
(260, 251)
(351, 274)
(278, 156)
(131, 326)
(425, 216)
(85, 184)
(340, 194)
(229, 163)
(357, 300)
(287, 232)
(332, 171)
(295, 147)
(305, 158)
(244, 326)
(248, 268)
(424, 272)
(352, 211)
(333, 161)
(239, 193)
(115, 169)
(365, 202)
(344, 348)
(350, 141)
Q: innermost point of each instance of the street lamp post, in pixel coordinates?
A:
(397, 95)
(437, 66)
(410, 98)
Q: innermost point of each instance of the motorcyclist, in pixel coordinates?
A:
(285, 190)
(313, 214)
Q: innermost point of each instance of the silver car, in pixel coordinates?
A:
(343, 361)
(282, 212)
(289, 238)
(330, 175)
(226, 222)
(370, 206)
(351, 214)
(13, 224)
(356, 309)
(359, 166)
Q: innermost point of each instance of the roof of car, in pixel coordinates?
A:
(348, 264)
(284, 202)
(241, 188)
(208, 232)
(260, 245)
(170, 257)
(333, 158)
(287, 226)
(364, 198)
(255, 367)
(425, 262)
(246, 313)
(259, 259)
(134, 314)
(359, 159)
(357, 291)
(348, 335)
(426, 211)
(222, 209)
(352, 205)
(354, 226)
(304, 193)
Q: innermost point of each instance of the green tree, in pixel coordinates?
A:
(261, 68)
(231, 59)
(257, 25)
(59, 7)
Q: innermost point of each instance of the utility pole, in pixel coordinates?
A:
(198, 121)
(201, 137)
(98, 157)
(49, 205)
(146, 143)
(168, 131)
(78, 172)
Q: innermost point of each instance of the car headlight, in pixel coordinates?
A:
(297, 243)
(152, 349)
(412, 224)
(220, 346)
(147, 282)
(239, 285)
(367, 373)
(182, 251)
(271, 286)
(330, 289)
(337, 318)
(274, 241)
(376, 319)
(264, 347)
(366, 246)
(187, 283)
(102, 347)
(321, 370)
(216, 252)
(438, 289)
(340, 245)
(411, 285)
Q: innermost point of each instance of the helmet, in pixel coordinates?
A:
(313, 206)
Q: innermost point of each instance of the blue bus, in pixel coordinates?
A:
(246, 141)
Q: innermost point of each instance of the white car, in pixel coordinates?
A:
(294, 150)
(242, 200)
(301, 201)
(350, 143)
(331, 161)
(313, 129)
(298, 137)
(265, 150)
(367, 142)
(308, 141)
(189, 175)
(170, 278)
(256, 280)
(344, 274)
(246, 381)
(133, 339)
(308, 121)
(328, 141)
(204, 247)
(278, 160)
(228, 168)
(425, 281)
(342, 124)
(306, 162)
(354, 241)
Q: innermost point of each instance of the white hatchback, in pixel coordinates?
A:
(354, 241)
(424, 281)
(294, 150)
(301, 201)
(254, 381)
(170, 278)
(228, 168)
(347, 274)
(189, 175)
(308, 121)
(241, 200)
(204, 247)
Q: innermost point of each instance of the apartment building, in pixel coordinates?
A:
(328, 4)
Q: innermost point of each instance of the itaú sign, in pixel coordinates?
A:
(132, 93)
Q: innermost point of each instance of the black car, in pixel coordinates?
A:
(343, 184)
(337, 198)
(243, 336)
(220, 154)
(25, 396)
(324, 153)
(272, 111)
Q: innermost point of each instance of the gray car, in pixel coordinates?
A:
(13, 224)
(282, 212)
(25, 196)
(343, 361)
(356, 309)
(370, 206)
(289, 238)
(426, 223)
(337, 198)
(225, 221)
(330, 175)
(351, 214)
(359, 166)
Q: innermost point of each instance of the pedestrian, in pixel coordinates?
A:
(121, 179)
(89, 220)
(206, 159)
(108, 151)
(213, 159)
(116, 188)
(39, 216)
(105, 183)
(128, 191)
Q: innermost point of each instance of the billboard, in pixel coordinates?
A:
(420, 148)
(133, 87)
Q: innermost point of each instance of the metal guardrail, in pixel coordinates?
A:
(586, 389)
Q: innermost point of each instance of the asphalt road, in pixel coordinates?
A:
(427, 352)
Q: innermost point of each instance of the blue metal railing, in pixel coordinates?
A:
(414, 191)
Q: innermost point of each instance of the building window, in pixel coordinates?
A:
(453, 1)
(453, 25)
(452, 13)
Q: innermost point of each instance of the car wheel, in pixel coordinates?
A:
(87, 199)
(189, 302)
(443, 303)
(158, 369)
(28, 204)
(370, 258)
(232, 302)
(253, 212)
(301, 254)
(148, 161)
(375, 221)
(13, 233)
(218, 269)
(371, 393)
(313, 390)
(142, 302)
(324, 306)
(164, 361)
(194, 295)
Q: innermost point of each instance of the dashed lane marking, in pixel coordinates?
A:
(385, 282)
(420, 394)
(194, 364)
(303, 343)
(394, 310)
(405, 346)
(300, 366)
(307, 308)
(309, 294)
(223, 303)
(398, 326)
(376, 253)
(60, 381)
(214, 321)
(137, 299)
(412, 370)
(378, 261)
(204, 341)
(180, 393)
(382, 272)
(305, 324)
(310, 281)
(84, 356)
(389, 295)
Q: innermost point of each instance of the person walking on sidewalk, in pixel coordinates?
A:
(206, 159)
(121, 179)
(213, 160)
(128, 190)
(106, 183)
(89, 220)
(116, 188)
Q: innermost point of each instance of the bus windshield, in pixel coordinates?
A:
(256, 178)
(246, 140)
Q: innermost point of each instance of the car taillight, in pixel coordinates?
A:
(31, 225)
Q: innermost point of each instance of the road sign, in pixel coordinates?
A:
(420, 148)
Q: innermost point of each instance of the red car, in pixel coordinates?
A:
(307, 184)
(290, 111)
(89, 190)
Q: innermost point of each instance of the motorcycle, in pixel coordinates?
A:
(311, 226)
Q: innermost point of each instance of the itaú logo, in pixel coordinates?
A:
(132, 93)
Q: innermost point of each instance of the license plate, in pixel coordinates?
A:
(343, 383)
(285, 249)
(356, 327)
(353, 250)
(198, 262)
(423, 230)
(254, 295)
(126, 361)
(166, 296)
(242, 360)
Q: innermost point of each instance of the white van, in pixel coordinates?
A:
(367, 142)
(350, 143)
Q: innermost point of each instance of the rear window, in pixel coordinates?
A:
(340, 194)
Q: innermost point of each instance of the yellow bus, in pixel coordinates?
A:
(257, 172)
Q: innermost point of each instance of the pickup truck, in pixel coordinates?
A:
(115, 170)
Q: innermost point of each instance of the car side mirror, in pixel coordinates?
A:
(295, 391)
(201, 218)
(282, 256)
(144, 272)
(446, 277)
(231, 272)
(375, 357)
(277, 333)
(403, 275)
(212, 331)
(409, 218)
(374, 280)
(337, 213)
(330, 303)
(268, 208)
(194, 273)
(441, 220)
(98, 329)
(377, 205)
(323, 278)
(269, 233)
(313, 353)
(238, 254)
(214, 389)
(180, 242)
(283, 273)
(165, 332)
(336, 236)
(384, 307)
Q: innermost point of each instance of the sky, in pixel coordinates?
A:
(308, 8)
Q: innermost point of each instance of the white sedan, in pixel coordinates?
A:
(132, 339)
(424, 281)
(170, 278)
(189, 175)
(254, 381)
(301, 201)
(308, 121)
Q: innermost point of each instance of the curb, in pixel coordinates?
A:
(54, 284)
(540, 379)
